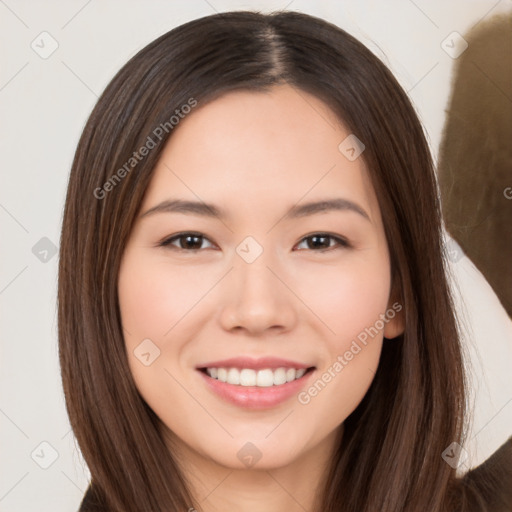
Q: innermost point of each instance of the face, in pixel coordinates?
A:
(255, 283)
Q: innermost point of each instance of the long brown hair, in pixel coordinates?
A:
(390, 455)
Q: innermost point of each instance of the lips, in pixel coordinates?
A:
(255, 383)
(256, 364)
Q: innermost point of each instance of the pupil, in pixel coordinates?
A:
(188, 239)
(316, 238)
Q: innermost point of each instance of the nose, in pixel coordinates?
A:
(257, 299)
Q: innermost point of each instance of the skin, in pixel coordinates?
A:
(256, 155)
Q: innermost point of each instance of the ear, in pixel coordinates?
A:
(395, 313)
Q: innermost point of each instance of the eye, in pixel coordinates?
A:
(186, 241)
(191, 241)
(323, 241)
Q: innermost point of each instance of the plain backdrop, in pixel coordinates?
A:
(45, 100)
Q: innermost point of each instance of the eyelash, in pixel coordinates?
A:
(342, 243)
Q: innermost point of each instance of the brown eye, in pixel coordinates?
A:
(186, 241)
(319, 241)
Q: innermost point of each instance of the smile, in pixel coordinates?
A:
(255, 383)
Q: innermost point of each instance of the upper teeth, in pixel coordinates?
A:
(250, 377)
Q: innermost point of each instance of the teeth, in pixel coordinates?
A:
(265, 378)
(247, 377)
(261, 378)
(279, 376)
(233, 376)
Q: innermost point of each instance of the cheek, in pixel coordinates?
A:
(157, 302)
(348, 299)
(154, 298)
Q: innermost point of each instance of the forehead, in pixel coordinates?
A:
(282, 144)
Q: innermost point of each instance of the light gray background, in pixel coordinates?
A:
(44, 104)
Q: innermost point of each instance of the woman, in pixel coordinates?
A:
(253, 309)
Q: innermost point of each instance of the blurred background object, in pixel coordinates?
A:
(475, 156)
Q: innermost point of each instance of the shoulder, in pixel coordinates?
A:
(488, 485)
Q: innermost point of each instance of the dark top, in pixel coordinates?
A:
(487, 487)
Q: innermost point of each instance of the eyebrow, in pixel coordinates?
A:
(296, 211)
